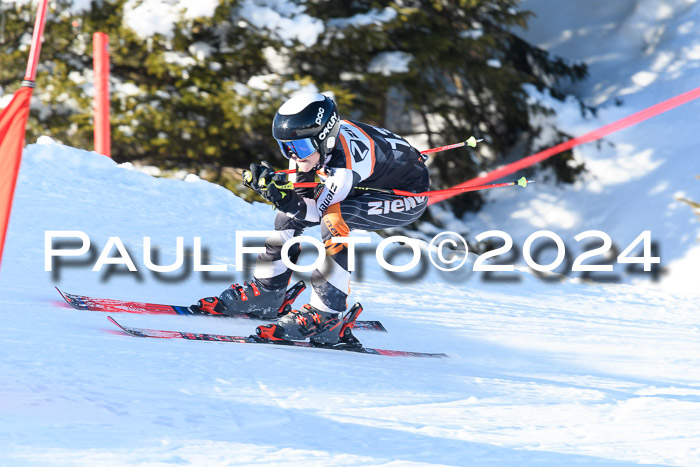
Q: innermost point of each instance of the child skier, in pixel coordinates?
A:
(346, 155)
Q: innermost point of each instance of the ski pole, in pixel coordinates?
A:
(522, 181)
(471, 142)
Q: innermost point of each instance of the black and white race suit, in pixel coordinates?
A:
(364, 157)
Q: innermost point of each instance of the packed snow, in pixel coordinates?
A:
(537, 372)
(540, 371)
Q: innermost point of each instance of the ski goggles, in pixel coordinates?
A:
(301, 148)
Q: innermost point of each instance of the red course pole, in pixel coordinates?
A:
(100, 63)
(37, 35)
(13, 123)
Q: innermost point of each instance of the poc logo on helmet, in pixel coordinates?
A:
(319, 116)
(328, 127)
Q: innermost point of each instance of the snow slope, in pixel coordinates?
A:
(639, 53)
(539, 373)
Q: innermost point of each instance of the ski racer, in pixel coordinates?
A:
(347, 156)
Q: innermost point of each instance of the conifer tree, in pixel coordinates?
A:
(464, 73)
(204, 92)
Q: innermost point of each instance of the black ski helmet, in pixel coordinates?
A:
(305, 122)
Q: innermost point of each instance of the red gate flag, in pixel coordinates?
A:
(13, 123)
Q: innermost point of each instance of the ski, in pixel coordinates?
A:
(81, 302)
(162, 334)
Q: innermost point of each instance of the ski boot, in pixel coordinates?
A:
(251, 300)
(324, 329)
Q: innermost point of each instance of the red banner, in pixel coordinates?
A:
(13, 122)
(594, 135)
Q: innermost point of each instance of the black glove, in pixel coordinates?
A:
(251, 178)
(280, 192)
